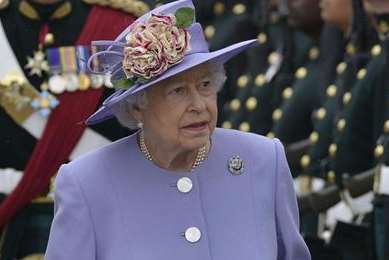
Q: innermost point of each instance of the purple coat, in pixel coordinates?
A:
(113, 204)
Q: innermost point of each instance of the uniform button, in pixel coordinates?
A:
(209, 31)
(351, 49)
(376, 50)
(287, 93)
(341, 124)
(277, 114)
(379, 151)
(347, 98)
(184, 185)
(321, 113)
(332, 149)
(314, 53)
(235, 104)
(270, 135)
(314, 137)
(259, 80)
(239, 9)
(361, 73)
(305, 161)
(262, 38)
(245, 127)
(331, 91)
(341, 67)
(192, 234)
(227, 125)
(251, 103)
(301, 73)
(274, 58)
(242, 81)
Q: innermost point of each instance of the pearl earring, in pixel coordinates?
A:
(139, 125)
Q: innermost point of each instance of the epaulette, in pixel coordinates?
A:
(4, 4)
(134, 7)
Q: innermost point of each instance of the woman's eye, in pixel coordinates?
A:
(177, 90)
(205, 84)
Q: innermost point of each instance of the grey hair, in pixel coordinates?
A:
(123, 109)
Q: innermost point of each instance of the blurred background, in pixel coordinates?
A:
(318, 80)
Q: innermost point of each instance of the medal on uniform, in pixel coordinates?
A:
(72, 83)
(44, 103)
(84, 81)
(83, 54)
(37, 64)
(97, 81)
(57, 84)
(68, 69)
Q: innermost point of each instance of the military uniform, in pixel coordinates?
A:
(299, 100)
(32, 29)
(353, 148)
(261, 85)
(245, 101)
(381, 152)
(345, 135)
(328, 122)
(338, 96)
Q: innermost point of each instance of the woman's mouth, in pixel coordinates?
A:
(200, 126)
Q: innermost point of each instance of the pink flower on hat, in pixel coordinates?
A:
(154, 46)
(175, 41)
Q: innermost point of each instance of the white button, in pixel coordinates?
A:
(192, 234)
(184, 185)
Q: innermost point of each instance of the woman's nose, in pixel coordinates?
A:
(197, 101)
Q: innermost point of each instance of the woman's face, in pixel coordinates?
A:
(337, 12)
(182, 110)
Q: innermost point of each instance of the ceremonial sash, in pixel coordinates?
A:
(65, 125)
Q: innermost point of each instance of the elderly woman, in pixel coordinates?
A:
(178, 188)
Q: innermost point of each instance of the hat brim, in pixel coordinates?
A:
(220, 56)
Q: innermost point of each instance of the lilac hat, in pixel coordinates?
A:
(158, 45)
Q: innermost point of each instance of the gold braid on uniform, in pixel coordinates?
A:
(26, 9)
(134, 7)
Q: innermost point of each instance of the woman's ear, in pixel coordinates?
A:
(136, 112)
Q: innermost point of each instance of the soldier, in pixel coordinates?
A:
(345, 132)
(295, 108)
(380, 97)
(348, 72)
(261, 84)
(44, 44)
(253, 77)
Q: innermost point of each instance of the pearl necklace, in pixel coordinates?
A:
(200, 156)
